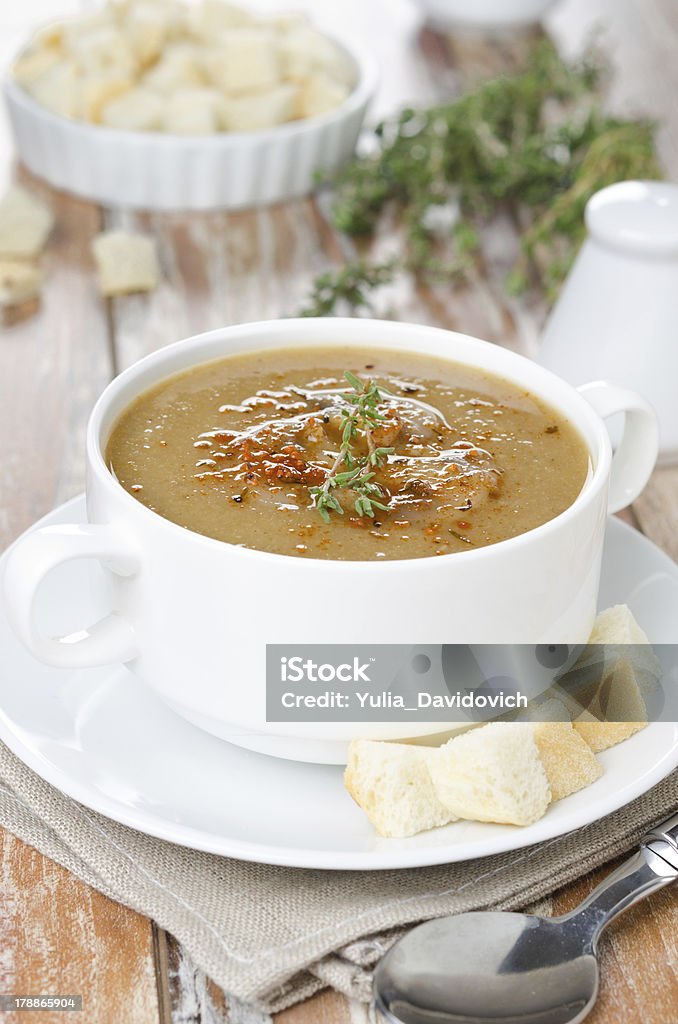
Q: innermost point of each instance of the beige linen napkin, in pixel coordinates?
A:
(273, 936)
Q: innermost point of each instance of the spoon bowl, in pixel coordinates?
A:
(487, 967)
(502, 968)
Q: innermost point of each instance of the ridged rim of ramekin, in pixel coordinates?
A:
(362, 93)
(271, 148)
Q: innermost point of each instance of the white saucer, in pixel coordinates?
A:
(106, 740)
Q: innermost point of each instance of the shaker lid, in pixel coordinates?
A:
(636, 216)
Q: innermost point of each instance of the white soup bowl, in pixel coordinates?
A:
(191, 616)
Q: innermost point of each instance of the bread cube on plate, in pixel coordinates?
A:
(244, 60)
(617, 629)
(138, 110)
(607, 692)
(617, 625)
(603, 735)
(493, 774)
(568, 761)
(320, 93)
(391, 783)
(618, 697)
(58, 89)
(180, 67)
(260, 111)
(19, 282)
(104, 51)
(613, 694)
(126, 262)
(194, 112)
(25, 223)
(615, 673)
(615, 706)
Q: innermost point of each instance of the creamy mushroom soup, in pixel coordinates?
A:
(345, 453)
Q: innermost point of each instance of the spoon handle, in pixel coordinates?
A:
(652, 867)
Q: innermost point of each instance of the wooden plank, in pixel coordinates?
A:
(57, 361)
(657, 510)
(639, 38)
(58, 936)
(326, 1008)
(218, 269)
(231, 268)
(193, 997)
(479, 56)
(638, 957)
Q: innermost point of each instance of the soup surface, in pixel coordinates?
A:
(413, 456)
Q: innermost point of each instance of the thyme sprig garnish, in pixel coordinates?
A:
(361, 415)
(535, 144)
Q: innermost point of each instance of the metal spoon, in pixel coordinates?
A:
(502, 968)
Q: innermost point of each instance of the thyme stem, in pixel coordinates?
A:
(362, 413)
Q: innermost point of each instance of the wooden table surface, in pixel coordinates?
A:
(57, 934)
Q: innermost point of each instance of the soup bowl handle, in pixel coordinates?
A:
(636, 454)
(29, 562)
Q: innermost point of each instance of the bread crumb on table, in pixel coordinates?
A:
(20, 281)
(126, 263)
(25, 224)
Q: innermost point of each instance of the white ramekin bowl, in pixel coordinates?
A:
(484, 14)
(192, 616)
(159, 171)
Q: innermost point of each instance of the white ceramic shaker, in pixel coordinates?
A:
(617, 315)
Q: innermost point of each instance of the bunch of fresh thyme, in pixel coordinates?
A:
(536, 143)
(363, 415)
(352, 284)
